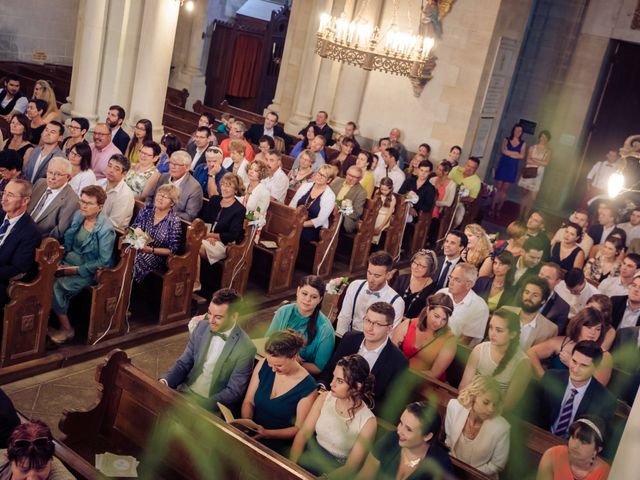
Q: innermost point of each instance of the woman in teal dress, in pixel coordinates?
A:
(305, 317)
(281, 392)
(88, 245)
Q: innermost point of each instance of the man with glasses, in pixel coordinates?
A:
(385, 360)
(236, 132)
(199, 146)
(216, 365)
(190, 202)
(120, 198)
(54, 202)
(362, 293)
(102, 149)
(19, 235)
(40, 156)
(349, 188)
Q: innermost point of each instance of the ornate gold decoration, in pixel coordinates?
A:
(635, 21)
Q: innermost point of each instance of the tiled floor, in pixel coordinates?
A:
(46, 396)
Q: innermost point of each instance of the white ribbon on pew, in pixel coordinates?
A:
(333, 238)
(238, 267)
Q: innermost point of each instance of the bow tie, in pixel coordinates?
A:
(375, 294)
(223, 336)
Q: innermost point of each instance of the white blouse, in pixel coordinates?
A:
(327, 202)
(81, 180)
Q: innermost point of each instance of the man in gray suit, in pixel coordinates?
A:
(217, 364)
(190, 201)
(40, 156)
(349, 188)
(53, 202)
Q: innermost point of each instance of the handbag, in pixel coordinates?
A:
(529, 172)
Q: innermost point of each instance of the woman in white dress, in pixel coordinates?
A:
(475, 431)
(538, 157)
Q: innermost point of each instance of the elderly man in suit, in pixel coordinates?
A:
(564, 395)
(190, 201)
(534, 327)
(385, 360)
(217, 364)
(41, 156)
(54, 202)
(349, 188)
(19, 235)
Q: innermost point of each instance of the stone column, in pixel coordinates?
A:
(67, 107)
(191, 74)
(627, 462)
(87, 71)
(308, 76)
(352, 81)
(158, 31)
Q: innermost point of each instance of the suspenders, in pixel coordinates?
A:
(355, 300)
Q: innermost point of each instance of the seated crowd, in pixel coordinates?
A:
(541, 317)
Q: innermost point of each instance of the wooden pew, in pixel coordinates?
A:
(356, 246)
(111, 294)
(177, 97)
(4, 129)
(284, 226)
(27, 314)
(182, 136)
(178, 280)
(135, 413)
(325, 247)
(394, 234)
(287, 163)
(177, 111)
(415, 235)
(446, 215)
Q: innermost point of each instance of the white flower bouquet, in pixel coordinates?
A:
(412, 197)
(345, 206)
(137, 238)
(256, 218)
(334, 285)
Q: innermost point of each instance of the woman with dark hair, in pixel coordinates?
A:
(412, 451)
(303, 144)
(143, 132)
(336, 434)
(265, 143)
(30, 455)
(88, 245)
(476, 433)
(588, 324)
(169, 143)
(567, 253)
(281, 392)
(419, 184)
(78, 128)
(538, 157)
(388, 206)
(143, 176)
(81, 174)
(497, 289)
(304, 316)
(364, 160)
(414, 287)
(603, 304)
(514, 149)
(19, 136)
(579, 459)
(35, 112)
(501, 357)
(427, 341)
(607, 262)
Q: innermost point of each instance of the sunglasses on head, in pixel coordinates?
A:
(41, 442)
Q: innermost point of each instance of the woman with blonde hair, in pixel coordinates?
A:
(42, 90)
(516, 236)
(479, 248)
(257, 196)
(319, 200)
(475, 431)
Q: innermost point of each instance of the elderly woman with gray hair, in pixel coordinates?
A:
(163, 226)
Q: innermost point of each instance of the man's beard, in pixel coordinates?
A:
(529, 308)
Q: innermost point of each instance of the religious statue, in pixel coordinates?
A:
(432, 13)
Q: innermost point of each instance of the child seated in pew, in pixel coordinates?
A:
(475, 431)
(88, 245)
(30, 455)
(304, 316)
(388, 201)
(337, 433)
(412, 451)
(225, 121)
(501, 358)
(281, 392)
(579, 458)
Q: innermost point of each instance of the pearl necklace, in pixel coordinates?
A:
(408, 462)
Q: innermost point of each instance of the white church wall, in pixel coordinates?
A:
(35, 25)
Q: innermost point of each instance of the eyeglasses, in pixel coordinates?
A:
(88, 204)
(177, 164)
(367, 321)
(74, 153)
(163, 195)
(145, 154)
(100, 134)
(417, 264)
(56, 174)
(75, 127)
(11, 195)
(40, 442)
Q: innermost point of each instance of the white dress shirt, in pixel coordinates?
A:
(576, 302)
(600, 173)
(371, 356)
(469, 317)
(196, 157)
(278, 184)
(613, 287)
(202, 384)
(120, 202)
(576, 401)
(526, 330)
(396, 175)
(630, 317)
(364, 299)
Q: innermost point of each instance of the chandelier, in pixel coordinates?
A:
(362, 44)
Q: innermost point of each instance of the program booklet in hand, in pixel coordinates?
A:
(245, 425)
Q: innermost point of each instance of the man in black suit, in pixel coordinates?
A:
(115, 118)
(528, 264)
(325, 130)
(19, 235)
(386, 361)
(564, 395)
(270, 128)
(606, 225)
(454, 243)
(625, 309)
(555, 308)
